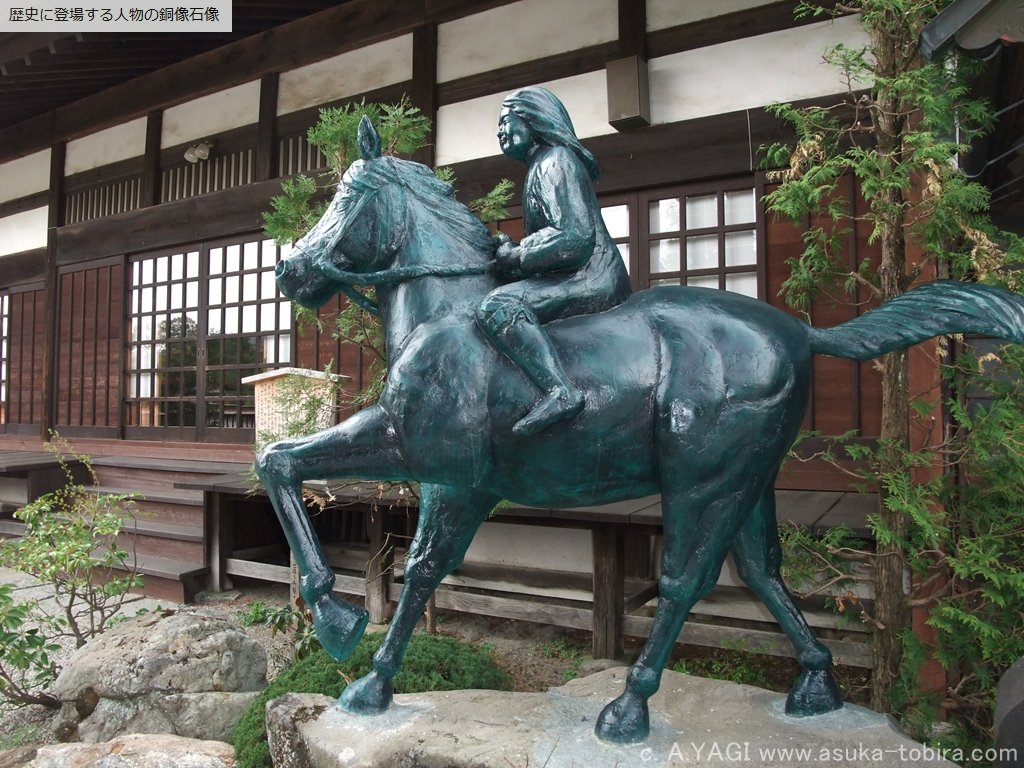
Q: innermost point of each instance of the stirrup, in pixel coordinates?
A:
(558, 404)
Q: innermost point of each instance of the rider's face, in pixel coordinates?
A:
(514, 135)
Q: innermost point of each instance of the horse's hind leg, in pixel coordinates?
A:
(758, 558)
(449, 518)
(698, 526)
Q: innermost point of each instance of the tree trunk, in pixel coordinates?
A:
(890, 561)
(888, 208)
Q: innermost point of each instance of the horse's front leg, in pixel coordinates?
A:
(448, 519)
(362, 446)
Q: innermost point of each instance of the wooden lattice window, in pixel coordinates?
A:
(708, 236)
(202, 319)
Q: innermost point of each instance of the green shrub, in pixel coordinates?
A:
(432, 663)
(70, 545)
(731, 664)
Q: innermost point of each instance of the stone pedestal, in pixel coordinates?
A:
(694, 721)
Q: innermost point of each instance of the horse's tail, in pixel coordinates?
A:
(932, 309)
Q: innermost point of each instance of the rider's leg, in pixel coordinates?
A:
(514, 329)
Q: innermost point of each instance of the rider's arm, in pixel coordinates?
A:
(566, 243)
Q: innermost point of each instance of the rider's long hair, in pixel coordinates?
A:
(549, 122)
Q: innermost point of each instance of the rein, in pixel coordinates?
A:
(391, 277)
(401, 274)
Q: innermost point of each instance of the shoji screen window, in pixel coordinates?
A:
(700, 236)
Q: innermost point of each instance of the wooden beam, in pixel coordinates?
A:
(729, 26)
(218, 214)
(448, 10)
(349, 26)
(105, 174)
(24, 267)
(527, 73)
(26, 203)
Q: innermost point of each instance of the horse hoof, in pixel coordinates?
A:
(369, 695)
(339, 626)
(624, 721)
(814, 693)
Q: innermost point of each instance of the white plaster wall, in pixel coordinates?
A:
(111, 145)
(526, 546)
(208, 115)
(662, 14)
(523, 31)
(467, 130)
(749, 73)
(25, 176)
(365, 69)
(23, 231)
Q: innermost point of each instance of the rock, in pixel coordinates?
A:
(694, 721)
(19, 757)
(138, 751)
(189, 673)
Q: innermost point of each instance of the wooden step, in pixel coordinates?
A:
(12, 528)
(168, 579)
(184, 498)
(186, 466)
(161, 530)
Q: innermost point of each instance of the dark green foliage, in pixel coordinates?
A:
(432, 663)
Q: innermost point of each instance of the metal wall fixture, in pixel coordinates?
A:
(199, 151)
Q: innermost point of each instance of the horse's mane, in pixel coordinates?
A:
(435, 195)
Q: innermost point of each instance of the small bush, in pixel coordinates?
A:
(730, 664)
(432, 663)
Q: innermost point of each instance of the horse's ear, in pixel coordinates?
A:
(369, 140)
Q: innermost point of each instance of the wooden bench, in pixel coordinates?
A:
(612, 601)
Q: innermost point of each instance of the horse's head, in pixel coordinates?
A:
(361, 230)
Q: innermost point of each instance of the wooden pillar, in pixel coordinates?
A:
(266, 149)
(638, 563)
(609, 547)
(378, 569)
(151, 160)
(54, 220)
(632, 28)
(424, 85)
(219, 536)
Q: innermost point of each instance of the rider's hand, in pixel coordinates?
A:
(509, 258)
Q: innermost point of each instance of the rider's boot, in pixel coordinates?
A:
(520, 336)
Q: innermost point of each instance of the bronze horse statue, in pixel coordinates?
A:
(692, 393)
